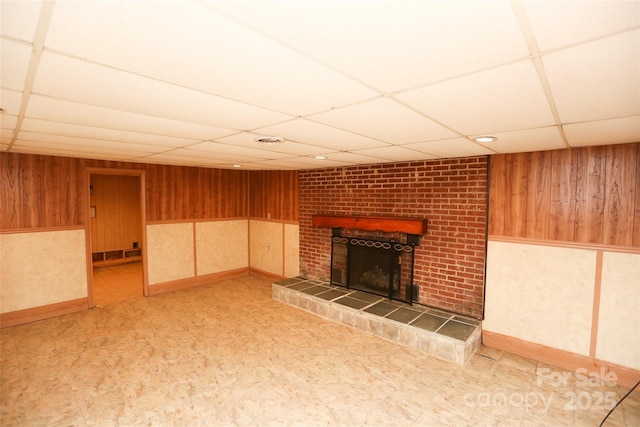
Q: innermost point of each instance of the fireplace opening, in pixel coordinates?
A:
(383, 268)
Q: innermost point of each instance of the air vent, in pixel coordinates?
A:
(269, 140)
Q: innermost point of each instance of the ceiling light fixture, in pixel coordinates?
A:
(236, 165)
(269, 139)
(320, 157)
(485, 139)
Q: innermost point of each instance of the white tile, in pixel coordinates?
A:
(310, 132)
(456, 147)
(598, 80)
(60, 110)
(102, 134)
(190, 45)
(386, 120)
(614, 131)
(557, 24)
(390, 45)
(20, 19)
(14, 64)
(87, 83)
(498, 100)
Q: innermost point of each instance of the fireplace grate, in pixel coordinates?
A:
(379, 267)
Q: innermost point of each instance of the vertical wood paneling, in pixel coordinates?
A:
(497, 188)
(636, 214)
(46, 191)
(178, 193)
(590, 195)
(274, 194)
(39, 191)
(620, 195)
(538, 195)
(118, 221)
(584, 195)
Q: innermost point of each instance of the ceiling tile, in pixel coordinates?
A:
(86, 83)
(14, 64)
(614, 131)
(318, 134)
(102, 134)
(391, 45)
(558, 24)
(456, 147)
(174, 158)
(88, 115)
(386, 120)
(185, 44)
(598, 80)
(246, 139)
(357, 158)
(547, 138)
(299, 163)
(8, 121)
(87, 152)
(10, 102)
(394, 153)
(85, 144)
(19, 19)
(501, 99)
(230, 149)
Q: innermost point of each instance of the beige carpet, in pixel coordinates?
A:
(227, 354)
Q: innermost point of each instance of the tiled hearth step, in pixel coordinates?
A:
(436, 332)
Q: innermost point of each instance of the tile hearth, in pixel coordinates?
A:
(436, 332)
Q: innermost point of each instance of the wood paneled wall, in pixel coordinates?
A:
(117, 223)
(40, 191)
(47, 192)
(274, 195)
(176, 193)
(582, 195)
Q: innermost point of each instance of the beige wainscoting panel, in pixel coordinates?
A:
(170, 252)
(540, 294)
(42, 268)
(619, 319)
(291, 250)
(266, 246)
(221, 246)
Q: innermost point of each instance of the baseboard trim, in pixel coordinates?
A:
(176, 285)
(42, 312)
(626, 377)
(265, 274)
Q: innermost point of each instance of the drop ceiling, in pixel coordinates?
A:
(195, 83)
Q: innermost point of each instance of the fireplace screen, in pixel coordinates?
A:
(378, 267)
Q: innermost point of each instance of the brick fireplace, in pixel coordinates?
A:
(451, 193)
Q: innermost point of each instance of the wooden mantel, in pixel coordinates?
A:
(389, 224)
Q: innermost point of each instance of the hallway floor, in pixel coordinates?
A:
(226, 354)
(117, 283)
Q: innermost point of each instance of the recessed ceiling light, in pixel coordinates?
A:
(237, 166)
(486, 139)
(269, 139)
(320, 157)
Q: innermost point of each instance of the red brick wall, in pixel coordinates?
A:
(451, 194)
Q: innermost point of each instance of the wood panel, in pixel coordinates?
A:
(584, 195)
(274, 195)
(175, 193)
(40, 191)
(46, 191)
(117, 223)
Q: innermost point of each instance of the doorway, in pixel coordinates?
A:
(116, 236)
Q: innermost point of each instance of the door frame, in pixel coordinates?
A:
(88, 171)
